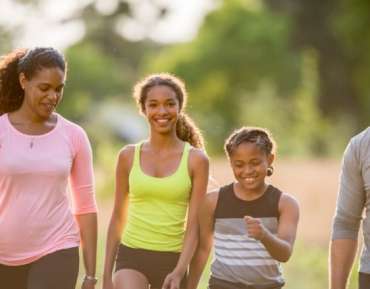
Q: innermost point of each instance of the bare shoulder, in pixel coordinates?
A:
(210, 200)
(288, 202)
(126, 156)
(198, 157)
(127, 151)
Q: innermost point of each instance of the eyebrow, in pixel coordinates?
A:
(166, 100)
(48, 84)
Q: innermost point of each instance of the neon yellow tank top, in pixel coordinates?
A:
(157, 207)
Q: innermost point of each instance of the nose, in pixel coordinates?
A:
(162, 109)
(53, 95)
(248, 169)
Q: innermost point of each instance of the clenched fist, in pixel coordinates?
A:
(255, 228)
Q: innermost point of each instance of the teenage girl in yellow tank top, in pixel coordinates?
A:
(159, 185)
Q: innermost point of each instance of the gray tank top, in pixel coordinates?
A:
(239, 258)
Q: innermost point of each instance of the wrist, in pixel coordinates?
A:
(179, 271)
(265, 235)
(90, 279)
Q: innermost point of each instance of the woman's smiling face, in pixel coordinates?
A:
(44, 91)
(162, 108)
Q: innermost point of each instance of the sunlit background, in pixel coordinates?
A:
(300, 68)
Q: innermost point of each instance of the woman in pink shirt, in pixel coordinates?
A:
(40, 154)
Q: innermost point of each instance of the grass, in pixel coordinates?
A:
(307, 269)
(314, 185)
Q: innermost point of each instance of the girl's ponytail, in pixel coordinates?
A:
(187, 131)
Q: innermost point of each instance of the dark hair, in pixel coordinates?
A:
(28, 62)
(186, 130)
(259, 136)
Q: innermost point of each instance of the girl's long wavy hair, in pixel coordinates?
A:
(28, 62)
(186, 130)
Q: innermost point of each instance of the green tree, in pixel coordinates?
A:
(337, 31)
(237, 50)
(245, 67)
(103, 65)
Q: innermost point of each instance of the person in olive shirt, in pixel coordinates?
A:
(353, 200)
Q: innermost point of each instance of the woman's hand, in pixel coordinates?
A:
(172, 281)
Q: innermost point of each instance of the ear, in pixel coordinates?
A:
(22, 80)
(270, 159)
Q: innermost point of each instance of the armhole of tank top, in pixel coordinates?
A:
(278, 198)
(218, 203)
(136, 159)
(185, 159)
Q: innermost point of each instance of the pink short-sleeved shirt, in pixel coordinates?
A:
(36, 215)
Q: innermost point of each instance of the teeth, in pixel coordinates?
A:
(162, 120)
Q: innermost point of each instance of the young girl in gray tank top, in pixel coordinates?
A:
(251, 224)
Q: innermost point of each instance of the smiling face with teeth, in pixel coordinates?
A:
(162, 109)
(42, 92)
(249, 164)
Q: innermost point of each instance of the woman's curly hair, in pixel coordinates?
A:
(27, 62)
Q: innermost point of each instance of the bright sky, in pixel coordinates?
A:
(43, 27)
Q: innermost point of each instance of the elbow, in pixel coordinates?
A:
(204, 249)
(285, 255)
(115, 228)
(192, 236)
(284, 258)
(345, 228)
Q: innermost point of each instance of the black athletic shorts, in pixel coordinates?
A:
(154, 265)
(56, 270)
(215, 283)
(363, 281)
